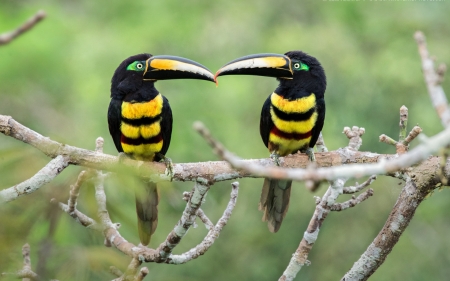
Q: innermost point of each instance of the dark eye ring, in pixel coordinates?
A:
(139, 65)
(297, 65)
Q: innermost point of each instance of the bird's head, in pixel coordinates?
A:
(136, 70)
(294, 67)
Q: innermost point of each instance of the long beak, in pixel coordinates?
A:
(172, 67)
(272, 65)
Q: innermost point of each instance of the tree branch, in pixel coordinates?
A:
(213, 233)
(383, 167)
(422, 180)
(5, 38)
(433, 80)
(44, 176)
(26, 273)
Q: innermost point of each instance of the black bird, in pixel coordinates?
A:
(140, 119)
(291, 118)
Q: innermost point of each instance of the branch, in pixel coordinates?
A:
(212, 171)
(422, 181)
(5, 38)
(183, 225)
(393, 164)
(44, 176)
(433, 80)
(213, 233)
(26, 273)
(323, 207)
(402, 145)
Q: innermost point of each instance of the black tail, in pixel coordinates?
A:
(147, 200)
(274, 202)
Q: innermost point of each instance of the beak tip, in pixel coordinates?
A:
(215, 78)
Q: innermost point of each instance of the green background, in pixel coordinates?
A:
(55, 79)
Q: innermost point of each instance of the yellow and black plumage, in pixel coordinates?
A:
(291, 118)
(140, 119)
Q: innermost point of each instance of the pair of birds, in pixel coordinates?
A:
(140, 118)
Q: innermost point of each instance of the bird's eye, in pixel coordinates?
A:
(136, 66)
(297, 65)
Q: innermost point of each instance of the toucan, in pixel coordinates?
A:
(140, 119)
(292, 116)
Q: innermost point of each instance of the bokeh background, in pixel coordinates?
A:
(55, 79)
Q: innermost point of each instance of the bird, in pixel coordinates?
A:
(140, 119)
(292, 117)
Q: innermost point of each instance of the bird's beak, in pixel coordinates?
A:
(272, 65)
(171, 67)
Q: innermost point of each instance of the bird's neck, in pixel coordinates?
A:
(142, 94)
(292, 89)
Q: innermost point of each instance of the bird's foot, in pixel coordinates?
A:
(310, 152)
(169, 165)
(275, 158)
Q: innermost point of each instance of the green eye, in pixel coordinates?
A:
(300, 66)
(136, 66)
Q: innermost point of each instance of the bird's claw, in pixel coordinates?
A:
(310, 152)
(169, 165)
(275, 158)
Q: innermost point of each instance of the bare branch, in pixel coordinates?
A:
(420, 182)
(26, 273)
(131, 273)
(354, 135)
(418, 154)
(403, 124)
(323, 207)
(402, 145)
(352, 202)
(75, 191)
(387, 140)
(44, 176)
(357, 188)
(433, 80)
(213, 233)
(183, 225)
(412, 135)
(5, 38)
(79, 217)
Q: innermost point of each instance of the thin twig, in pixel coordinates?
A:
(44, 176)
(5, 38)
(352, 202)
(359, 187)
(416, 155)
(433, 80)
(213, 233)
(26, 273)
(412, 194)
(183, 225)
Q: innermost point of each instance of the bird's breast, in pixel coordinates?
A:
(141, 128)
(293, 122)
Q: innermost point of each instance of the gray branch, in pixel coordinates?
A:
(44, 176)
(30, 23)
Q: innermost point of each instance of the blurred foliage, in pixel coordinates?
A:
(55, 79)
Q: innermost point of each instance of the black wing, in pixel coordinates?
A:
(166, 125)
(265, 123)
(114, 119)
(320, 105)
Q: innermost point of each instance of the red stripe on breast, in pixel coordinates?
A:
(290, 136)
(141, 140)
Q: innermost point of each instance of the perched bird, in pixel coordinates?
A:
(140, 119)
(291, 118)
